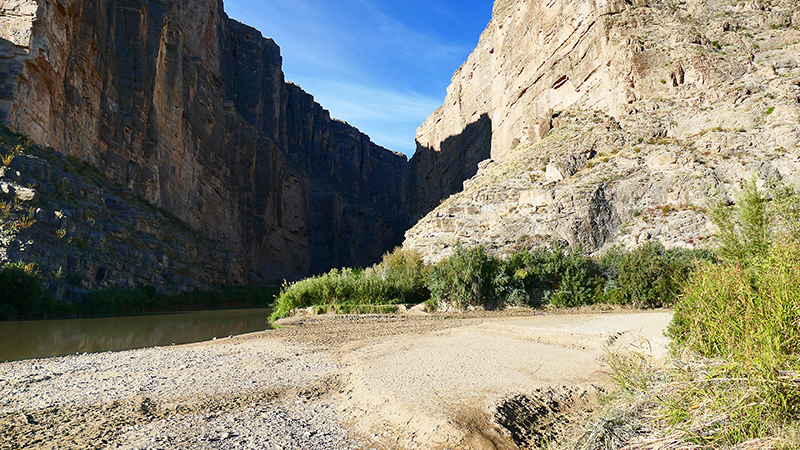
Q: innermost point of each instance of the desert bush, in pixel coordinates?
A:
(648, 276)
(465, 279)
(406, 271)
(734, 378)
(555, 275)
(740, 312)
(400, 278)
(747, 320)
(22, 295)
(578, 276)
(736, 329)
(744, 229)
(337, 287)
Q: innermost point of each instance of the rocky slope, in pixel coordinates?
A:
(189, 110)
(611, 122)
(85, 232)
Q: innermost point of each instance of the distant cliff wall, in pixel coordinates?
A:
(189, 110)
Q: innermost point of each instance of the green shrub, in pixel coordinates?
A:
(465, 279)
(747, 317)
(743, 318)
(579, 275)
(337, 287)
(405, 271)
(744, 229)
(556, 275)
(399, 278)
(22, 295)
(649, 276)
(729, 310)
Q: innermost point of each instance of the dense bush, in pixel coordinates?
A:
(337, 287)
(744, 315)
(406, 272)
(21, 293)
(557, 276)
(747, 320)
(649, 276)
(734, 311)
(398, 278)
(465, 279)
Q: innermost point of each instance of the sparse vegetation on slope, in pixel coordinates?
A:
(84, 232)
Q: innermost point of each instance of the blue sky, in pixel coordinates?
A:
(382, 66)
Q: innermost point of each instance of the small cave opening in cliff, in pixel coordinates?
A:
(435, 175)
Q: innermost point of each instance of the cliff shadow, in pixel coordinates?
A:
(435, 175)
(11, 63)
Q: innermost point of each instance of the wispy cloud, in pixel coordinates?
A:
(388, 116)
(362, 102)
(373, 69)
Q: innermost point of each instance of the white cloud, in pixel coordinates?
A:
(388, 116)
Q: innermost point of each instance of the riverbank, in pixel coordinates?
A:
(439, 381)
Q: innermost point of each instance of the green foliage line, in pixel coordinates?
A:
(648, 276)
(24, 297)
(146, 299)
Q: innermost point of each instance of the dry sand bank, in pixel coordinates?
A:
(327, 382)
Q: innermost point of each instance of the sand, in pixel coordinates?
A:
(434, 382)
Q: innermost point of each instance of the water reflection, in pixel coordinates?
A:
(40, 339)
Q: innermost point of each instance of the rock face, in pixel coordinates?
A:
(190, 111)
(611, 122)
(85, 232)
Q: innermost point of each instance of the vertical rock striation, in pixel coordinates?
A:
(190, 111)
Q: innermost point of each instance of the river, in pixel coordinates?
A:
(45, 338)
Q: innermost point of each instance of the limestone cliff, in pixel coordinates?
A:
(190, 111)
(610, 122)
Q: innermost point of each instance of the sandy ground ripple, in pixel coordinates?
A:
(343, 382)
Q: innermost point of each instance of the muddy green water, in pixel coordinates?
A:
(45, 338)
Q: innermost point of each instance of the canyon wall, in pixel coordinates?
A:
(189, 110)
(534, 57)
(608, 122)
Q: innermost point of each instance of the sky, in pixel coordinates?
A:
(383, 66)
